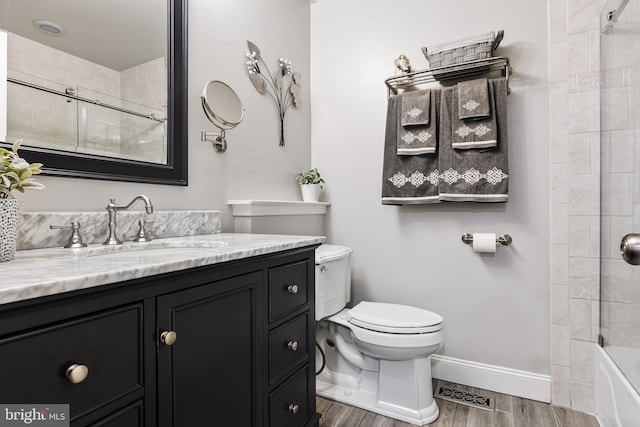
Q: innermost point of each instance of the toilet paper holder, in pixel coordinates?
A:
(503, 239)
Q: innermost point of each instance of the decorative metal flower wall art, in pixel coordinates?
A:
(283, 86)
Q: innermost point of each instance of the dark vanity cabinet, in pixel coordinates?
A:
(214, 362)
(229, 344)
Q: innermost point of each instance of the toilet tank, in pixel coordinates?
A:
(278, 217)
(333, 279)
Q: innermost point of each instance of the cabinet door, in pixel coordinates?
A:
(105, 348)
(209, 375)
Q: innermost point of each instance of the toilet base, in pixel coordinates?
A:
(362, 391)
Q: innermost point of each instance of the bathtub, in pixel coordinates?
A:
(617, 402)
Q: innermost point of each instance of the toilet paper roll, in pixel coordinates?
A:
(484, 242)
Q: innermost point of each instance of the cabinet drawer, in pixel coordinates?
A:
(288, 288)
(131, 416)
(288, 347)
(288, 404)
(35, 364)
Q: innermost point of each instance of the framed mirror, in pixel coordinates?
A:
(136, 132)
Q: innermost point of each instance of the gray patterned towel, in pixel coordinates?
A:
(473, 99)
(417, 139)
(467, 134)
(407, 179)
(415, 108)
(474, 175)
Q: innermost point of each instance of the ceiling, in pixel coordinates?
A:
(117, 34)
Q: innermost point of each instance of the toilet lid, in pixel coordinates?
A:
(394, 318)
(326, 253)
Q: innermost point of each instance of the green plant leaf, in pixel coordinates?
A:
(16, 146)
(16, 173)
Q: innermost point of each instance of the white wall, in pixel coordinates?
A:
(496, 308)
(254, 166)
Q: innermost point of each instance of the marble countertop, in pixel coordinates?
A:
(40, 272)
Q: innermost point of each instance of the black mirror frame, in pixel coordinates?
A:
(58, 163)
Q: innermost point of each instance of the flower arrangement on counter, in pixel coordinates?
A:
(283, 87)
(16, 173)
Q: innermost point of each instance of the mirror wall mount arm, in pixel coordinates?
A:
(219, 143)
(79, 165)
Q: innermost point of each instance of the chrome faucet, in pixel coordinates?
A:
(113, 208)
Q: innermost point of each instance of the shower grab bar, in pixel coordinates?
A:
(450, 72)
(70, 93)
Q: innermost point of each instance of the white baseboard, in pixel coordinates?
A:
(490, 377)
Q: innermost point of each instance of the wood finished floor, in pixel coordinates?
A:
(510, 411)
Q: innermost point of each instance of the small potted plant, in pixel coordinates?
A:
(310, 184)
(15, 174)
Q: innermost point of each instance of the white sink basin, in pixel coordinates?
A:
(147, 248)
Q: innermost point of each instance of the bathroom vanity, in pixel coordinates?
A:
(187, 334)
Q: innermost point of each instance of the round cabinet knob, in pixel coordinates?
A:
(168, 337)
(292, 289)
(293, 408)
(292, 345)
(77, 373)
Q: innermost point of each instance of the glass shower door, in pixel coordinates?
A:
(620, 186)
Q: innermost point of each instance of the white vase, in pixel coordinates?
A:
(10, 211)
(310, 192)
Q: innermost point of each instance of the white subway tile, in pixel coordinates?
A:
(580, 319)
(584, 278)
(582, 361)
(560, 386)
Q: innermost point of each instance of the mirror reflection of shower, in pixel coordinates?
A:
(224, 109)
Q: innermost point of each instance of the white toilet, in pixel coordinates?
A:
(374, 355)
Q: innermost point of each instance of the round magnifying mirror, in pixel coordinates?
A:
(222, 105)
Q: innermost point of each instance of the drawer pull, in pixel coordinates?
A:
(292, 345)
(77, 373)
(292, 289)
(293, 408)
(168, 337)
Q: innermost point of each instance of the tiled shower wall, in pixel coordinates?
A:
(574, 157)
(52, 120)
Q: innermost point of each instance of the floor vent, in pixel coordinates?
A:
(456, 394)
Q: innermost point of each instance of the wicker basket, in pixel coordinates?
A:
(459, 51)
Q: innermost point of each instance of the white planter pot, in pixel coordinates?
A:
(10, 211)
(310, 192)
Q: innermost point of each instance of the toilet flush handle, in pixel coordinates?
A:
(323, 269)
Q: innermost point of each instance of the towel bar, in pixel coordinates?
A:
(503, 239)
(462, 71)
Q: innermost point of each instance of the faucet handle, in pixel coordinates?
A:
(75, 240)
(142, 233)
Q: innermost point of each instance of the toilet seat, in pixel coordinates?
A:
(394, 318)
